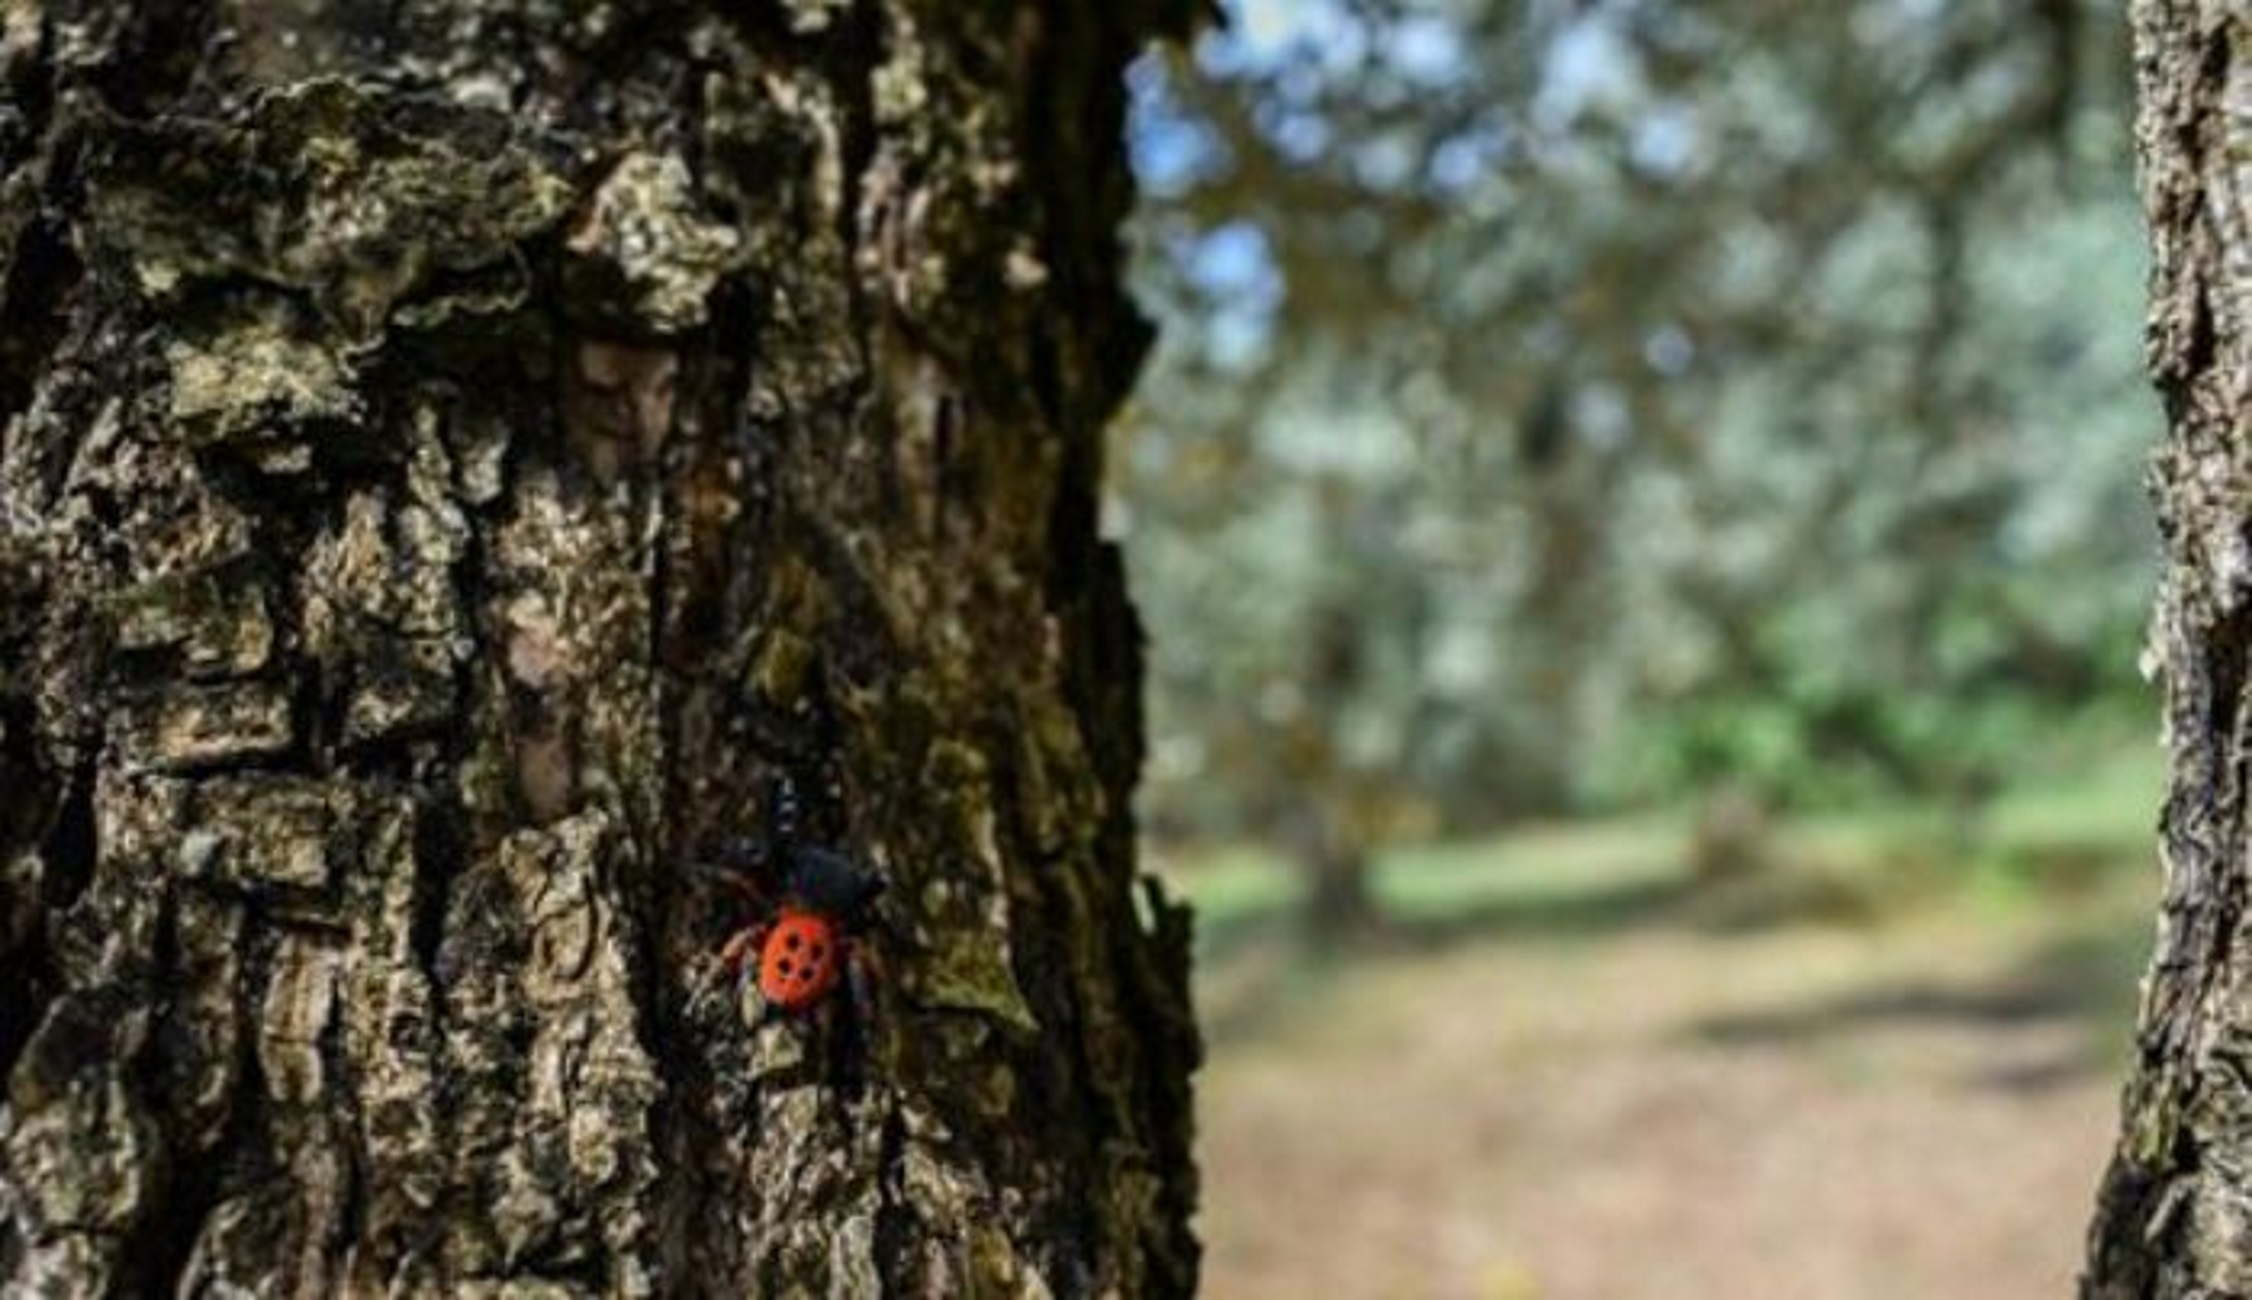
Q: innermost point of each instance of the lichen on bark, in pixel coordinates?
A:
(452, 466)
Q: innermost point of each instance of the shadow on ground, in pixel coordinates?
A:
(2083, 980)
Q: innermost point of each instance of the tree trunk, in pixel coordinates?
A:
(457, 455)
(1324, 822)
(2175, 1212)
(1340, 910)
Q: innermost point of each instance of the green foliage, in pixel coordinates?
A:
(1579, 405)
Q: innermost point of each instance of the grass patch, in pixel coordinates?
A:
(2060, 832)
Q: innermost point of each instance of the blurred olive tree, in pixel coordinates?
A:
(1579, 404)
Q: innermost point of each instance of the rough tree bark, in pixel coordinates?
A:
(457, 453)
(2174, 1216)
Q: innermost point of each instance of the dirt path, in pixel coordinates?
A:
(1917, 1110)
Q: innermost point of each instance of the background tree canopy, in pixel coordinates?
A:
(1763, 376)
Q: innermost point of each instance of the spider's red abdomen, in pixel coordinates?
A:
(799, 961)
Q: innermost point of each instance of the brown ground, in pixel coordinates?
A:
(1655, 1108)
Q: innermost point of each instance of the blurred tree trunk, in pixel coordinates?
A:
(2175, 1212)
(1328, 826)
(457, 452)
(1339, 907)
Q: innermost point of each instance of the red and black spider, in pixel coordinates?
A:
(814, 905)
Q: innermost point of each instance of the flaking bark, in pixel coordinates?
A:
(456, 456)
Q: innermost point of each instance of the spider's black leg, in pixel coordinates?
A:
(741, 865)
(754, 902)
(742, 946)
(872, 917)
(733, 876)
(863, 971)
(744, 854)
(723, 974)
(855, 1015)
